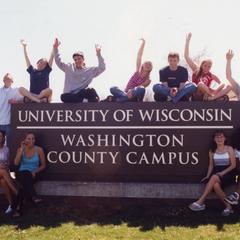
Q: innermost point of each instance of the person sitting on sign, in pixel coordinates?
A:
(135, 89)
(221, 173)
(6, 182)
(39, 77)
(234, 197)
(174, 84)
(78, 76)
(30, 160)
(204, 79)
(8, 96)
(235, 85)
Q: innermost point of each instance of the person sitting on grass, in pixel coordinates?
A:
(39, 77)
(203, 78)
(234, 197)
(174, 84)
(135, 89)
(5, 179)
(221, 173)
(30, 161)
(235, 85)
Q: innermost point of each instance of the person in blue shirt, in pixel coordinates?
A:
(30, 160)
(39, 76)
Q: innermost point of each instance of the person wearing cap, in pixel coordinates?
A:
(8, 96)
(78, 76)
(39, 76)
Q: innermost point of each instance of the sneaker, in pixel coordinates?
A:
(226, 212)
(8, 210)
(197, 207)
(232, 198)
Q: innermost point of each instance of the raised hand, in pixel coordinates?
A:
(56, 43)
(98, 49)
(189, 36)
(229, 54)
(23, 42)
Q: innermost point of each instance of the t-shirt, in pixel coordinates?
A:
(39, 80)
(135, 81)
(173, 78)
(206, 78)
(5, 95)
(4, 152)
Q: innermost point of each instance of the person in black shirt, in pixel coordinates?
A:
(174, 82)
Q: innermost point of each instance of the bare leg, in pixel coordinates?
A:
(221, 93)
(201, 87)
(221, 194)
(208, 189)
(23, 91)
(6, 190)
(47, 93)
(5, 175)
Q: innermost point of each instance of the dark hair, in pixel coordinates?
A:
(173, 55)
(28, 134)
(236, 139)
(4, 134)
(213, 145)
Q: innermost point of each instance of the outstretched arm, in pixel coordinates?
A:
(58, 61)
(101, 64)
(139, 55)
(229, 57)
(24, 44)
(50, 61)
(189, 61)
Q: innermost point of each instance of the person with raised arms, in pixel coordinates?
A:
(174, 85)
(204, 79)
(78, 76)
(39, 77)
(135, 89)
(235, 85)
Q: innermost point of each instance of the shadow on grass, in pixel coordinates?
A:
(144, 214)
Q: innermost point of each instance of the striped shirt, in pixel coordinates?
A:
(221, 159)
(135, 81)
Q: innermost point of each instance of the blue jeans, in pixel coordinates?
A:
(7, 130)
(161, 92)
(137, 93)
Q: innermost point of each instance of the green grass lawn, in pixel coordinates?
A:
(105, 219)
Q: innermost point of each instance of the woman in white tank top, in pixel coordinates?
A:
(234, 197)
(221, 173)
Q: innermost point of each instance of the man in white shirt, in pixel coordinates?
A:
(8, 96)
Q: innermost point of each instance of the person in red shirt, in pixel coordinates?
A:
(203, 78)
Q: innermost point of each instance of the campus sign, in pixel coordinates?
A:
(124, 142)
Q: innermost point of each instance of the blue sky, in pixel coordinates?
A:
(117, 26)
